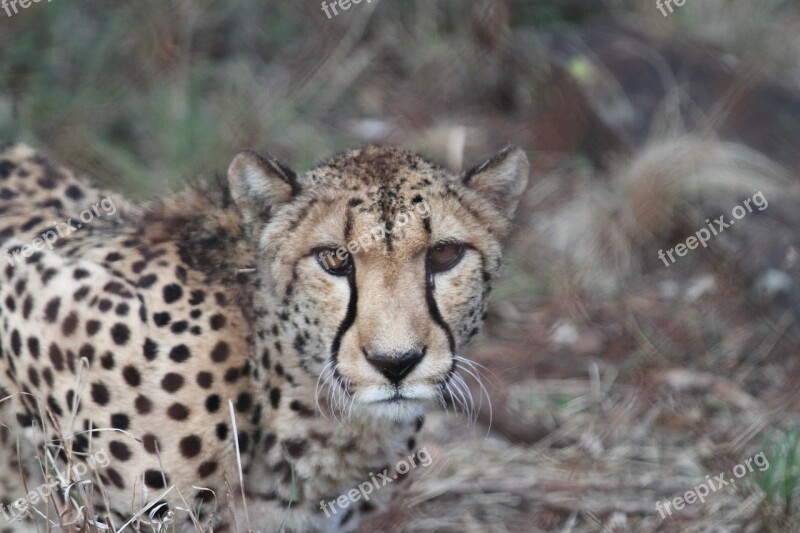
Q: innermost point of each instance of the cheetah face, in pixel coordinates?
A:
(378, 266)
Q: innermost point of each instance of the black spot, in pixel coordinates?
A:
(197, 297)
(232, 374)
(47, 374)
(74, 192)
(151, 444)
(33, 347)
(80, 273)
(172, 293)
(107, 361)
(274, 398)
(296, 447)
(207, 468)
(33, 376)
(190, 446)
(27, 306)
(6, 168)
(56, 357)
(179, 327)
(54, 407)
(70, 324)
(80, 443)
(81, 293)
(150, 349)
(205, 379)
(155, 480)
(179, 353)
(213, 403)
(143, 405)
(51, 310)
(87, 351)
(222, 431)
(244, 441)
(178, 411)
(269, 442)
(92, 327)
(120, 333)
(115, 287)
(221, 352)
(115, 478)
(180, 273)
(7, 194)
(161, 319)
(100, 394)
(132, 376)
(243, 402)
(113, 257)
(120, 421)
(172, 382)
(19, 288)
(119, 450)
(24, 420)
(217, 322)
(147, 281)
(301, 409)
(30, 224)
(54, 203)
(122, 309)
(16, 343)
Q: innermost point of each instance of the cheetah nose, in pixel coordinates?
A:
(395, 367)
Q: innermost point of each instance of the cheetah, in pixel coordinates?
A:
(243, 351)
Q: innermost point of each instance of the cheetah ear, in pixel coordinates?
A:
(501, 179)
(259, 185)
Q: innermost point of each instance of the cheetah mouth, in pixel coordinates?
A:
(397, 398)
(404, 394)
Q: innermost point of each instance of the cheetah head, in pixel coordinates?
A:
(377, 266)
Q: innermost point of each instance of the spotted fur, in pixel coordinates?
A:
(136, 332)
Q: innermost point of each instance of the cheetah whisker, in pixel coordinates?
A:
(442, 400)
(466, 395)
(459, 401)
(472, 369)
(328, 368)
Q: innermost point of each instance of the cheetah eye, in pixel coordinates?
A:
(337, 265)
(444, 256)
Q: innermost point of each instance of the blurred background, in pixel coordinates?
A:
(616, 381)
